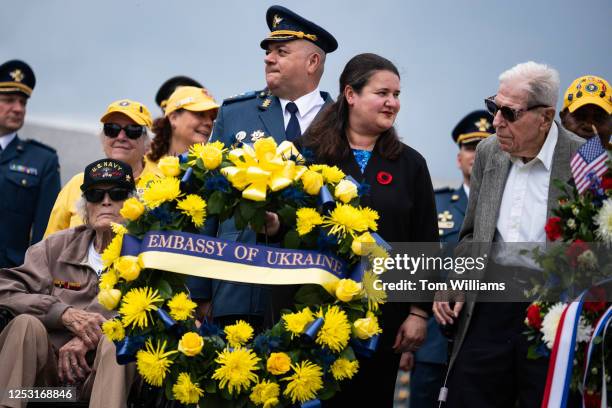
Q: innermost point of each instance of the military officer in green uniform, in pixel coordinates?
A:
(296, 49)
(430, 360)
(29, 170)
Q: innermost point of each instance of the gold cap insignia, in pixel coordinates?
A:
(17, 75)
(483, 124)
(276, 20)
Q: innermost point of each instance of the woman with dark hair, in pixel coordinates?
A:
(356, 134)
(188, 119)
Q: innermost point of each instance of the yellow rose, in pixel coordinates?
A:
(128, 267)
(265, 148)
(191, 344)
(366, 327)
(345, 191)
(278, 363)
(132, 209)
(109, 298)
(211, 156)
(312, 181)
(347, 289)
(363, 244)
(169, 166)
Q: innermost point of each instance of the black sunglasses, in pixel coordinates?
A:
(96, 195)
(133, 132)
(510, 114)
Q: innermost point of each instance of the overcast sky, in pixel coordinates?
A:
(88, 53)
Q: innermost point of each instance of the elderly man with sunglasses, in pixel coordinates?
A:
(124, 137)
(511, 196)
(56, 330)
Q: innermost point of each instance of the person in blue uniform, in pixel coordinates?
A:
(427, 373)
(296, 49)
(29, 170)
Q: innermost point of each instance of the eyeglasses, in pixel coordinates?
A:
(510, 114)
(96, 195)
(133, 132)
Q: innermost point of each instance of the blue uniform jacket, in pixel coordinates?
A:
(29, 184)
(245, 118)
(451, 205)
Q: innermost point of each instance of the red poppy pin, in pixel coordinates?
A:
(384, 178)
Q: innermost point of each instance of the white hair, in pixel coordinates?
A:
(540, 81)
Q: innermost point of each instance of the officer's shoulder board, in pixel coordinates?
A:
(443, 190)
(41, 145)
(241, 97)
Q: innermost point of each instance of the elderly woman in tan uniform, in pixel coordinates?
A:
(53, 296)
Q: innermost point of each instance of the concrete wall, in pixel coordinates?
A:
(76, 148)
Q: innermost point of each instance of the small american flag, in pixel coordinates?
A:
(589, 163)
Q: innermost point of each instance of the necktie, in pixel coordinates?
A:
(293, 130)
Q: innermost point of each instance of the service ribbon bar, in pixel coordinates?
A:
(208, 257)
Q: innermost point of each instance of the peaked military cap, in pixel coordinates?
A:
(285, 25)
(166, 89)
(474, 127)
(108, 171)
(17, 77)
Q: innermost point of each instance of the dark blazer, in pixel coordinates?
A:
(407, 214)
(487, 183)
(29, 184)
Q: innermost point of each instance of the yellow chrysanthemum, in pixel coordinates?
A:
(153, 363)
(136, 304)
(375, 296)
(195, 207)
(161, 190)
(345, 219)
(336, 330)
(108, 279)
(295, 323)
(343, 368)
(113, 330)
(332, 174)
(266, 392)
(112, 251)
(181, 307)
(371, 217)
(239, 333)
(236, 369)
(307, 219)
(186, 391)
(304, 383)
(118, 228)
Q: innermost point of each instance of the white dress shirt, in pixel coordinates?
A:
(522, 213)
(466, 190)
(308, 106)
(7, 139)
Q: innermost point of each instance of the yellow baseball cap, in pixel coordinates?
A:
(190, 98)
(132, 109)
(588, 89)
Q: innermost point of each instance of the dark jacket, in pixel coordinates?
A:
(29, 184)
